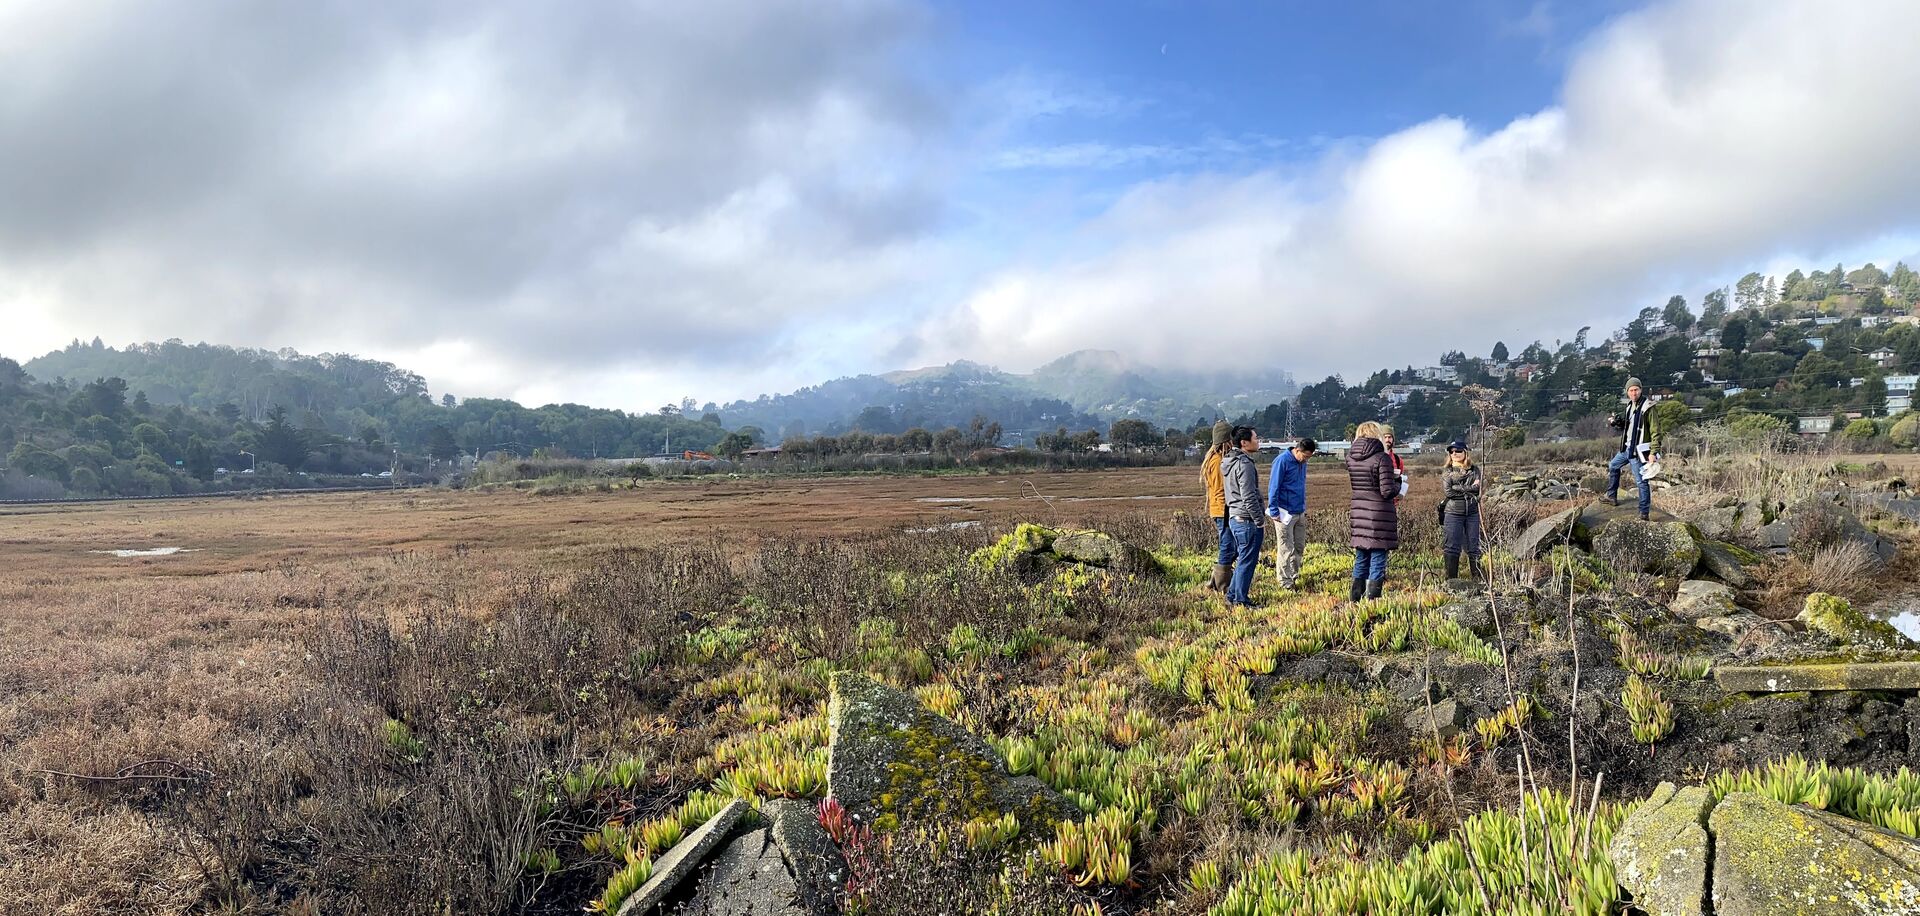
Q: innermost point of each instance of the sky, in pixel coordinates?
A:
(627, 203)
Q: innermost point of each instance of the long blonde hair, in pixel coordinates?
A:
(1372, 429)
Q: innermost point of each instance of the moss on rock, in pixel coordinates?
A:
(1837, 619)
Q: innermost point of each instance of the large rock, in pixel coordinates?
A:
(1547, 533)
(1718, 522)
(1658, 548)
(892, 761)
(1729, 563)
(1816, 677)
(1597, 515)
(1448, 717)
(1097, 548)
(1770, 859)
(1840, 621)
(685, 858)
(747, 878)
(1699, 598)
(1661, 852)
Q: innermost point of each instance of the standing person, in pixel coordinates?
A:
(1287, 506)
(1217, 505)
(1373, 519)
(1461, 484)
(1639, 446)
(1246, 510)
(1399, 466)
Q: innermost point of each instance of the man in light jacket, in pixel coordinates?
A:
(1246, 510)
(1287, 506)
(1639, 446)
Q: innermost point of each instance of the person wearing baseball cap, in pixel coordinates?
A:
(1639, 446)
(1460, 510)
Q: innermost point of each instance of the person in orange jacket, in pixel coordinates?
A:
(1217, 505)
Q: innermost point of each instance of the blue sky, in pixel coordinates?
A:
(626, 203)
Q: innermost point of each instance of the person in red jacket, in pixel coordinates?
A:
(1399, 466)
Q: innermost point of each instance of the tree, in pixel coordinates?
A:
(1087, 441)
(1747, 292)
(1669, 415)
(1860, 431)
(1906, 430)
(280, 442)
(875, 419)
(440, 444)
(35, 461)
(1867, 277)
(1713, 310)
(1733, 335)
(1791, 283)
(1676, 313)
(446, 400)
(1873, 393)
(945, 441)
(1131, 434)
(199, 458)
(1499, 351)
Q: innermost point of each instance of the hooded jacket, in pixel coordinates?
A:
(1216, 488)
(1373, 521)
(1242, 481)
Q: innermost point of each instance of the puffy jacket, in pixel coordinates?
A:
(1216, 488)
(1462, 489)
(1242, 481)
(1287, 484)
(1373, 521)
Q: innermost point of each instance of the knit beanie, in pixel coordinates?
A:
(1634, 383)
(1222, 430)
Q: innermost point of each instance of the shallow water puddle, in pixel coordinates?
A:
(950, 526)
(149, 552)
(1903, 611)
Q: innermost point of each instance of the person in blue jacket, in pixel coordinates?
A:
(1287, 506)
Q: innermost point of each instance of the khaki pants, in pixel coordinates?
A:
(1290, 541)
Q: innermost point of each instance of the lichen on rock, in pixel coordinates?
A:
(1837, 619)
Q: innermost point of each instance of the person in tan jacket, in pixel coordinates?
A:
(1217, 505)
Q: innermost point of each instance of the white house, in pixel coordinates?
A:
(1439, 374)
(1814, 426)
(1397, 395)
(1900, 392)
(1884, 357)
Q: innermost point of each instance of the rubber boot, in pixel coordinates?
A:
(1221, 574)
(1359, 590)
(1374, 588)
(1452, 561)
(1473, 566)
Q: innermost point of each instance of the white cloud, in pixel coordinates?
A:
(570, 192)
(1692, 139)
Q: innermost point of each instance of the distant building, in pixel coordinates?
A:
(1884, 358)
(1708, 359)
(1397, 395)
(1817, 343)
(1900, 392)
(1816, 426)
(1827, 321)
(1732, 390)
(1526, 372)
(1446, 374)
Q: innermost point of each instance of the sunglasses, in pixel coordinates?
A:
(1457, 451)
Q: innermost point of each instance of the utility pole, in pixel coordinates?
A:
(1289, 436)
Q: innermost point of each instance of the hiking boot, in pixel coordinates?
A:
(1374, 588)
(1359, 590)
(1643, 515)
(1612, 499)
(1452, 563)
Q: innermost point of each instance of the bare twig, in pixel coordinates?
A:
(1433, 726)
(128, 773)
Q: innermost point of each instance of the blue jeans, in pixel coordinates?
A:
(1248, 537)
(1370, 563)
(1226, 541)
(1632, 463)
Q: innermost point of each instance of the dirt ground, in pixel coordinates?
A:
(233, 534)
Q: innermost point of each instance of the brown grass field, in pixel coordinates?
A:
(149, 667)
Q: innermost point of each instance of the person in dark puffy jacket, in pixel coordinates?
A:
(1373, 520)
(1460, 510)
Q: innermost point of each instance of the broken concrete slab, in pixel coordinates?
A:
(1813, 677)
(817, 865)
(1772, 858)
(685, 858)
(748, 877)
(1728, 563)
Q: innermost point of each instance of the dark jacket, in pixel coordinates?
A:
(1242, 480)
(1462, 489)
(1287, 485)
(1374, 522)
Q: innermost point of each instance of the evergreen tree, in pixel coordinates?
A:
(282, 443)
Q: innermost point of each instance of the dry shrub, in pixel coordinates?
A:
(1843, 569)
(1818, 525)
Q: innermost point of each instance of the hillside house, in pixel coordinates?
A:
(1705, 339)
(1900, 392)
(1397, 395)
(1525, 372)
(1815, 426)
(1817, 343)
(1732, 390)
(1884, 358)
(1827, 321)
(1446, 374)
(1708, 359)
(1872, 321)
